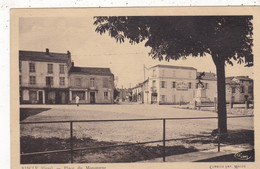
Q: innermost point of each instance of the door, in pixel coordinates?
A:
(40, 97)
(63, 97)
(92, 97)
(57, 97)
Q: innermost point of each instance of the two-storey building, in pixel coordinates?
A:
(172, 84)
(239, 89)
(175, 84)
(43, 77)
(91, 84)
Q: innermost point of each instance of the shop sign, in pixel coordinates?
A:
(182, 86)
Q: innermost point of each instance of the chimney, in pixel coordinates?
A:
(47, 51)
(69, 54)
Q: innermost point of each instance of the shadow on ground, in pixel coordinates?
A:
(120, 154)
(233, 137)
(27, 112)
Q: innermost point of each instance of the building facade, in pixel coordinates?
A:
(52, 78)
(239, 89)
(174, 85)
(92, 85)
(137, 93)
(43, 77)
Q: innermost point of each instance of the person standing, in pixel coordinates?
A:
(77, 100)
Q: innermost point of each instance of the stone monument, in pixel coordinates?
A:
(200, 93)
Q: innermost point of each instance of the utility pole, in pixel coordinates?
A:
(144, 72)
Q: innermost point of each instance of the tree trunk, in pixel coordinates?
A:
(221, 89)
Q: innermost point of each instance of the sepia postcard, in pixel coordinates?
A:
(161, 87)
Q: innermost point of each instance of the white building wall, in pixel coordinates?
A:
(41, 72)
(170, 75)
(211, 90)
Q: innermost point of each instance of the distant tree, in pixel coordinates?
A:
(116, 93)
(227, 39)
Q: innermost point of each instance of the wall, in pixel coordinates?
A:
(98, 88)
(238, 96)
(170, 75)
(41, 71)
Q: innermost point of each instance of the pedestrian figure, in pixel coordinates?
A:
(77, 100)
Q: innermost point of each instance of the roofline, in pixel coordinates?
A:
(42, 52)
(177, 67)
(44, 60)
(231, 77)
(86, 73)
(92, 67)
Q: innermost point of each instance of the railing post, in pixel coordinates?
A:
(71, 141)
(163, 140)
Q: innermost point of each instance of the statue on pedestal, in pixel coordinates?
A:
(201, 91)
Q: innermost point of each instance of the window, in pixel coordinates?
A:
(20, 79)
(233, 90)
(62, 69)
(250, 89)
(92, 82)
(50, 68)
(154, 73)
(197, 85)
(32, 80)
(62, 81)
(242, 89)
(20, 66)
(106, 95)
(78, 82)
(105, 83)
(190, 85)
(32, 67)
(154, 83)
(163, 84)
(173, 84)
(206, 86)
(49, 80)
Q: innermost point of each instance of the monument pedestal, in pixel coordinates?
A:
(201, 96)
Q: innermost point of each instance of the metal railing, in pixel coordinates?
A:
(72, 150)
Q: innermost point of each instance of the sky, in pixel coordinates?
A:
(90, 49)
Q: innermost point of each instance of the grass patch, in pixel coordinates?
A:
(27, 112)
(102, 155)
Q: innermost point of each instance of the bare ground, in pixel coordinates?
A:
(104, 133)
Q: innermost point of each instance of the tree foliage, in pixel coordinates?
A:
(226, 38)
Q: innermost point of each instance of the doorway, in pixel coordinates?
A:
(40, 97)
(92, 97)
